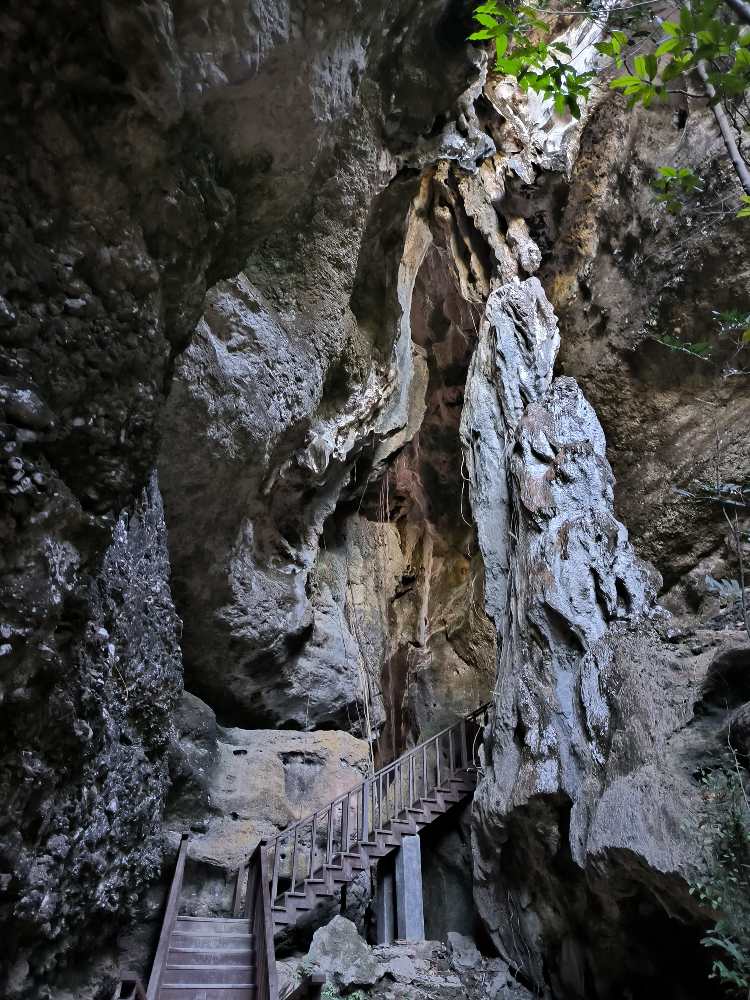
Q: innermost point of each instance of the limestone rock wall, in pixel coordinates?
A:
(583, 799)
(303, 257)
(622, 274)
(166, 169)
(85, 767)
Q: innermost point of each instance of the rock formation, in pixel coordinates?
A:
(429, 970)
(384, 325)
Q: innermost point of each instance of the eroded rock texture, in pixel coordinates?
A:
(287, 252)
(424, 971)
(624, 274)
(85, 768)
(234, 786)
(580, 802)
(152, 152)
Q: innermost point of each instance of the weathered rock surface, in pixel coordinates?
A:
(84, 769)
(425, 971)
(302, 211)
(235, 787)
(143, 162)
(303, 364)
(587, 803)
(623, 273)
(447, 862)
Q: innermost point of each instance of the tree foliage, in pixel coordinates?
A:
(702, 51)
(651, 58)
(724, 888)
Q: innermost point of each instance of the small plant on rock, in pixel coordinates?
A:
(674, 185)
(725, 887)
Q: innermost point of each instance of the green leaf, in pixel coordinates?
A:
(668, 46)
(625, 81)
(619, 40)
(487, 20)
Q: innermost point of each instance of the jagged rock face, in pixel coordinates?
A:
(84, 770)
(98, 282)
(303, 365)
(587, 802)
(142, 163)
(623, 272)
(296, 211)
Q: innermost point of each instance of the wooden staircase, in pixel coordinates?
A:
(304, 867)
(311, 861)
(209, 959)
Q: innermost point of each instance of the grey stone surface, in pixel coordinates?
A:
(385, 903)
(409, 897)
(463, 951)
(586, 796)
(447, 877)
(152, 156)
(238, 786)
(618, 285)
(423, 971)
(245, 197)
(303, 365)
(342, 955)
(85, 772)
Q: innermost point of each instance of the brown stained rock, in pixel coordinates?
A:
(623, 271)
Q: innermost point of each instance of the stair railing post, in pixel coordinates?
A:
(424, 771)
(242, 873)
(313, 839)
(329, 836)
(345, 825)
(268, 987)
(294, 856)
(170, 916)
(253, 874)
(462, 736)
(276, 863)
(411, 780)
(364, 835)
(437, 761)
(451, 768)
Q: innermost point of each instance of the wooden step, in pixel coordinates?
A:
(205, 992)
(176, 975)
(183, 918)
(199, 956)
(210, 942)
(211, 925)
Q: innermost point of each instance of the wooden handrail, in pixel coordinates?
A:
(258, 912)
(170, 915)
(417, 774)
(283, 834)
